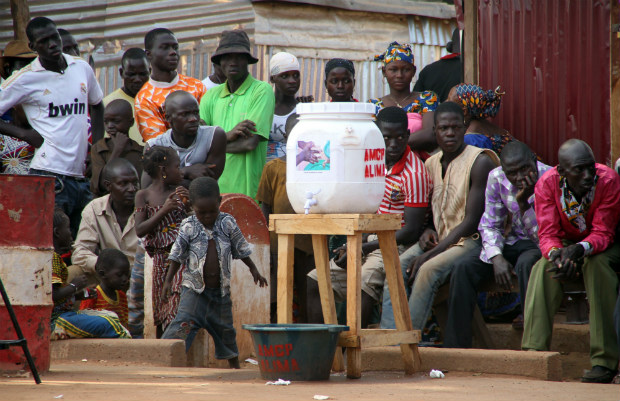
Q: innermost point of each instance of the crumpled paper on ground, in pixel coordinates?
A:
(278, 382)
(436, 374)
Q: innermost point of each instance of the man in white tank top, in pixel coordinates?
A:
(285, 75)
(202, 149)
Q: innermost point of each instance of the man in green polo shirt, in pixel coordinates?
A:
(243, 107)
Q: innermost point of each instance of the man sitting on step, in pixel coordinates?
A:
(499, 254)
(459, 173)
(577, 208)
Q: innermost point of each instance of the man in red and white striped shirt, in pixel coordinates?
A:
(407, 190)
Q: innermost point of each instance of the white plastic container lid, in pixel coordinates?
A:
(336, 108)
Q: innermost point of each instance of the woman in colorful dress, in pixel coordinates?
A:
(479, 105)
(15, 155)
(398, 70)
(160, 209)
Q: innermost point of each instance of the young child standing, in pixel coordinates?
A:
(66, 323)
(159, 213)
(207, 241)
(112, 268)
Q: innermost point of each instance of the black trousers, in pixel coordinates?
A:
(466, 278)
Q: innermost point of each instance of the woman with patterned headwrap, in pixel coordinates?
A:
(399, 69)
(478, 106)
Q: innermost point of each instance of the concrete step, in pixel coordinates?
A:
(567, 338)
(538, 365)
(150, 352)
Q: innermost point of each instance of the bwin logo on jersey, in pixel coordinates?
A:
(67, 109)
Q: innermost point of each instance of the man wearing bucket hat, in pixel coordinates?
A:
(284, 74)
(15, 155)
(243, 107)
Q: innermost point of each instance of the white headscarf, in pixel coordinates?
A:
(283, 62)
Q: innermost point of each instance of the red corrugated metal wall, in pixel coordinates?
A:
(552, 58)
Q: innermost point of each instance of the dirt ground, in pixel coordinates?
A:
(100, 380)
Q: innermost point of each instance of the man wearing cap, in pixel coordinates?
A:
(284, 74)
(56, 91)
(162, 51)
(15, 155)
(243, 107)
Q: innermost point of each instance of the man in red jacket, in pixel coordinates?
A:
(577, 208)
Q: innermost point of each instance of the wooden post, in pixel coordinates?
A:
(615, 81)
(354, 302)
(21, 15)
(351, 225)
(470, 51)
(321, 258)
(285, 278)
(402, 318)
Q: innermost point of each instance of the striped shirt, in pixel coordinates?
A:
(407, 183)
(102, 302)
(501, 202)
(149, 103)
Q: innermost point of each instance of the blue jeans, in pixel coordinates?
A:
(387, 313)
(72, 195)
(209, 311)
(430, 277)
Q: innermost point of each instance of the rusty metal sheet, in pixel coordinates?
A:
(106, 29)
(428, 8)
(26, 211)
(553, 60)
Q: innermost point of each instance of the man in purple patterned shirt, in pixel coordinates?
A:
(500, 253)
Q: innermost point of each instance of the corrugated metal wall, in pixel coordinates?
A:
(106, 28)
(553, 60)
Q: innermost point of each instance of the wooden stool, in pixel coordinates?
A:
(351, 225)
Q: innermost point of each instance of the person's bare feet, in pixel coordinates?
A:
(233, 363)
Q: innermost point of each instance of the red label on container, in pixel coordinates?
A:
(374, 163)
(279, 365)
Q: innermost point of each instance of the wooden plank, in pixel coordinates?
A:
(285, 278)
(315, 226)
(380, 337)
(383, 222)
(470, 51)
(321, 258)
(319, 216)
(393, 273)
(349, 340)
(332, 223)
(615, 81)
(354, 302)
(21, 16)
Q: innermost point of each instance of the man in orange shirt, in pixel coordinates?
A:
(162, 51)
